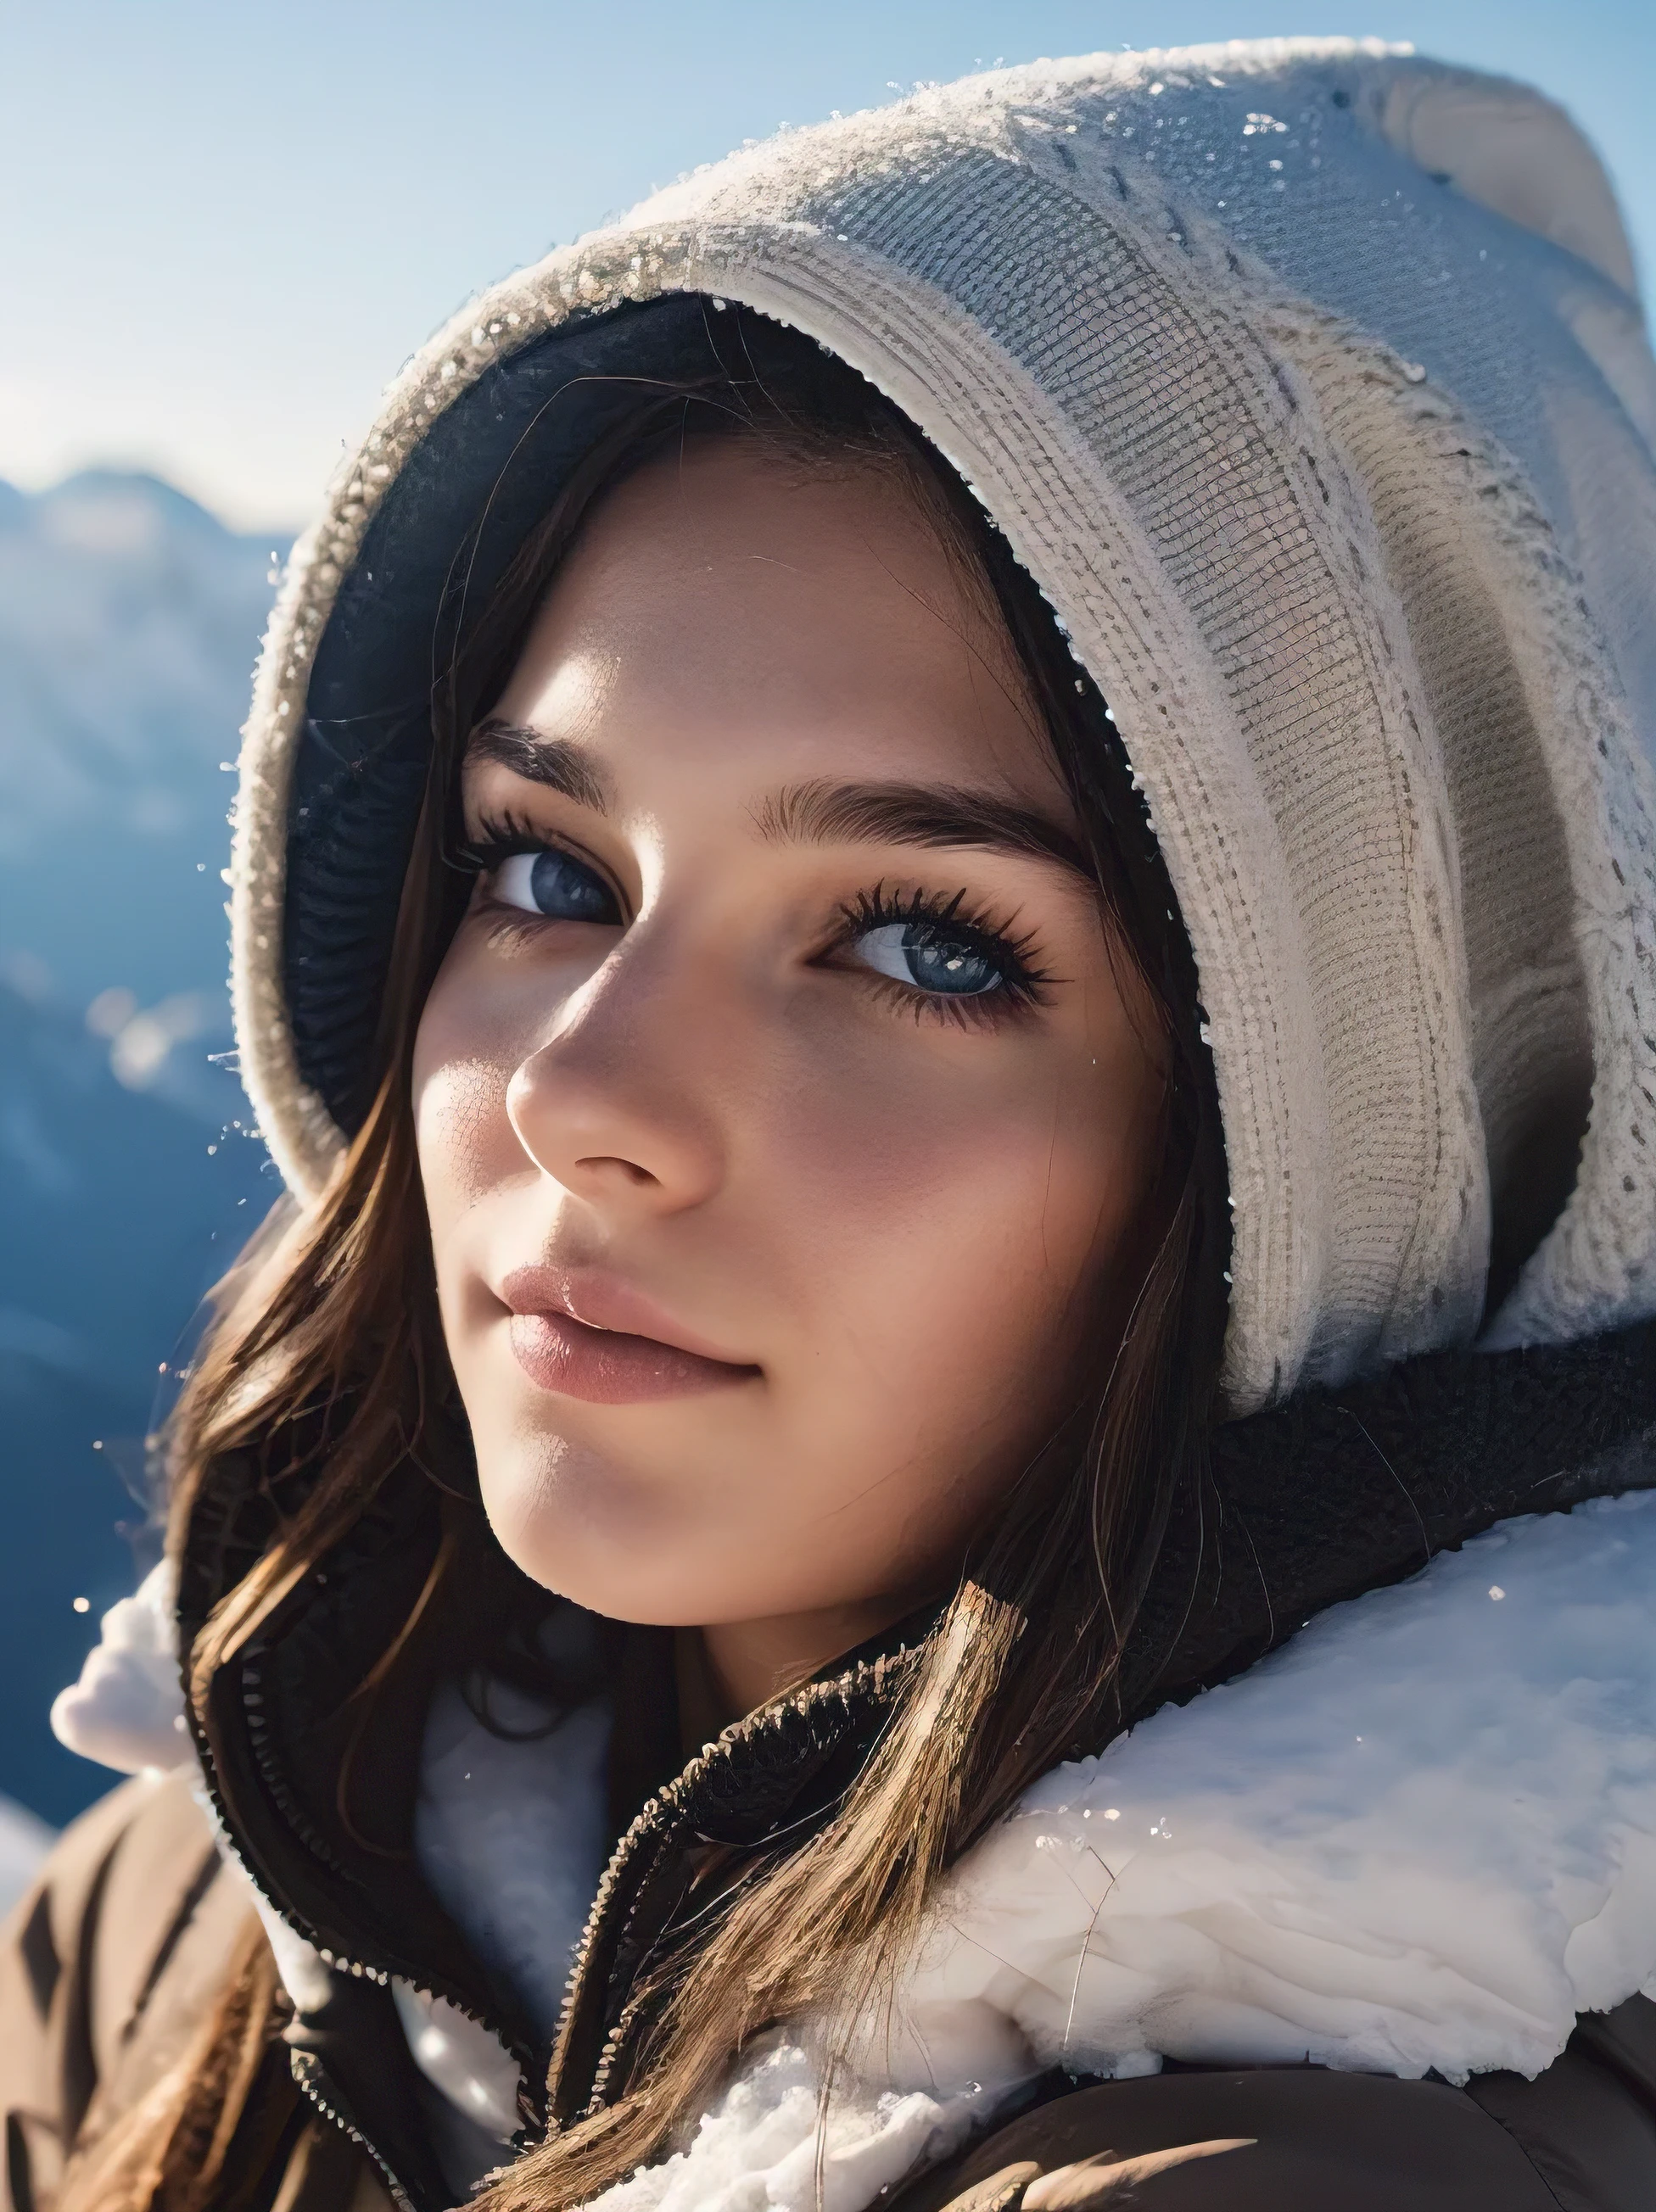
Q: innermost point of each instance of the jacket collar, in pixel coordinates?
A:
(1328, 1497)
(318, 1804)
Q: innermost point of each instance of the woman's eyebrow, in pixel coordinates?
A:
(555, 762)
(821, 813)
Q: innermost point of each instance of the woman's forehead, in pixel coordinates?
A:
(722, 614)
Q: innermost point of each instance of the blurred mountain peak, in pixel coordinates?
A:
(119, 510)
(130, 620)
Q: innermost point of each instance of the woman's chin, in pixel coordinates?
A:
(608, 1538)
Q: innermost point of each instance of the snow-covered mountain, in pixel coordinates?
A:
(129, 623)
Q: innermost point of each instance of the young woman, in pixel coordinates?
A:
(938, 1492)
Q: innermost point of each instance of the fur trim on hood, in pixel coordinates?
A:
(1307, 381)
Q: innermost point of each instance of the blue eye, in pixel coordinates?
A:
(555, 885)
(929, 956)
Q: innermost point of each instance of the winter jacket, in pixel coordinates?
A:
(1308, 381)
(1236, 1896)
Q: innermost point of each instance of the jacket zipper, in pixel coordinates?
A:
(358, 1969)
(652, 1815)
(307, 2086)
(869, 1673)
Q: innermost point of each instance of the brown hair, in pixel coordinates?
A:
(327, 1368)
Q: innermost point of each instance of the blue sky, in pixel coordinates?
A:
(223, 226)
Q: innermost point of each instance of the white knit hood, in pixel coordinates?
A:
(1308, 380)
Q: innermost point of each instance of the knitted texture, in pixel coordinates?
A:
(1306, 380)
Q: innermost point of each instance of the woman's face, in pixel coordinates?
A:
(781, 1111)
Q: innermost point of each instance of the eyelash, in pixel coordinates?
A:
(1025, 985)
(500, 837)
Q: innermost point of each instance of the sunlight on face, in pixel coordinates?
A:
(780, 1110)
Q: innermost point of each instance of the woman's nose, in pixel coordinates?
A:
(614, 1107)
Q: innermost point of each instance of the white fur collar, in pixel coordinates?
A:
(1422, 1835)
(126, 1711)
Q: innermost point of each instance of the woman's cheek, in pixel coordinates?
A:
(472, 1037)
(463, 1133)
(943, 1227)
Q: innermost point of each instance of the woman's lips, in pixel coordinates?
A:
(603, 1364)
(608, 1368)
